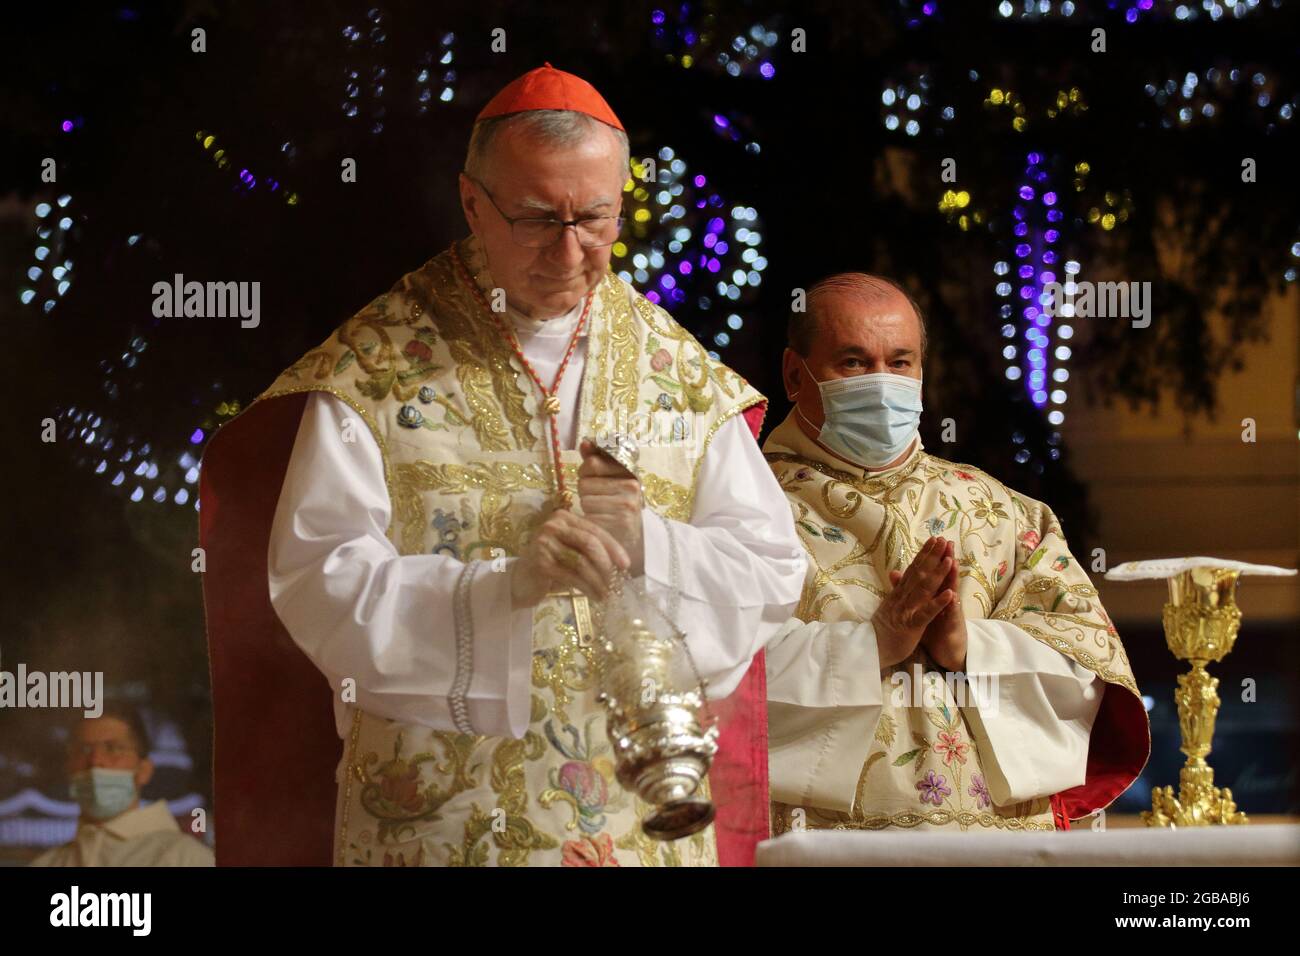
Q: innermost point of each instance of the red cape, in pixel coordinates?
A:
(275, 748)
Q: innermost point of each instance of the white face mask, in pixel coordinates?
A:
(870, 419)
(103, 793)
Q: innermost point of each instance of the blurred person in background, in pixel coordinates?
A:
(108, 765)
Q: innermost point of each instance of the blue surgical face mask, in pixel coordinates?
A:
(870, 419)
(103, 793)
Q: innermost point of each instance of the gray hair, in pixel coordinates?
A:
(553, 127)
(871, 290)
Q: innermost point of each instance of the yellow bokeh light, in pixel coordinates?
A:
(620, 250)
(642, 215)
(952, 200)
(1082, 169)
(688, 61)
(1094, 214)
(996, 97)
(208, 141)
(1018, 124)
(1108, 221)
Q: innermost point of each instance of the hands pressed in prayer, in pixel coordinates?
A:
(611, 498)
(944, 637)
(570, 551)
(920, 595)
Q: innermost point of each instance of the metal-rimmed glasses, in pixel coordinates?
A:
(593, 233)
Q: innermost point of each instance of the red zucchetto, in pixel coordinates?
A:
(547, 88)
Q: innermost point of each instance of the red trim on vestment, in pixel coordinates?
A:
(1117, 751)
(276, 749)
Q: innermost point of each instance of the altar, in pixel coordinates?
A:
(1267, 844)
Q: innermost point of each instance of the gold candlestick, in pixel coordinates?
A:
(1201, 622)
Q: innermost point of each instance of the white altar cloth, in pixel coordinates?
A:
(1250, 845)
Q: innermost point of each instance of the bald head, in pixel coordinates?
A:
(851, 293)
(855, 324)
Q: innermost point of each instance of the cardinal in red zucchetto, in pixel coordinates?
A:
(405, 531)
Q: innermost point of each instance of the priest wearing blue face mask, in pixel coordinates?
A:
(949, 664)
(108, 764)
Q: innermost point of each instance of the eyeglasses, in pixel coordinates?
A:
(593, 233)
(111, 748)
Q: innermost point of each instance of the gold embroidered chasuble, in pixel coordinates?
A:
(927, 764)
(467, 463)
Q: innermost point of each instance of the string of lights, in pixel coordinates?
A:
(692, 37)
(50, 276)
(1038, 349)
(686, 244)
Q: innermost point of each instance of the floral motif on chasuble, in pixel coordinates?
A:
(925, 767)
(467, 464)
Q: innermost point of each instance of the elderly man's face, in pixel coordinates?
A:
(853, 338)
(532, 180)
